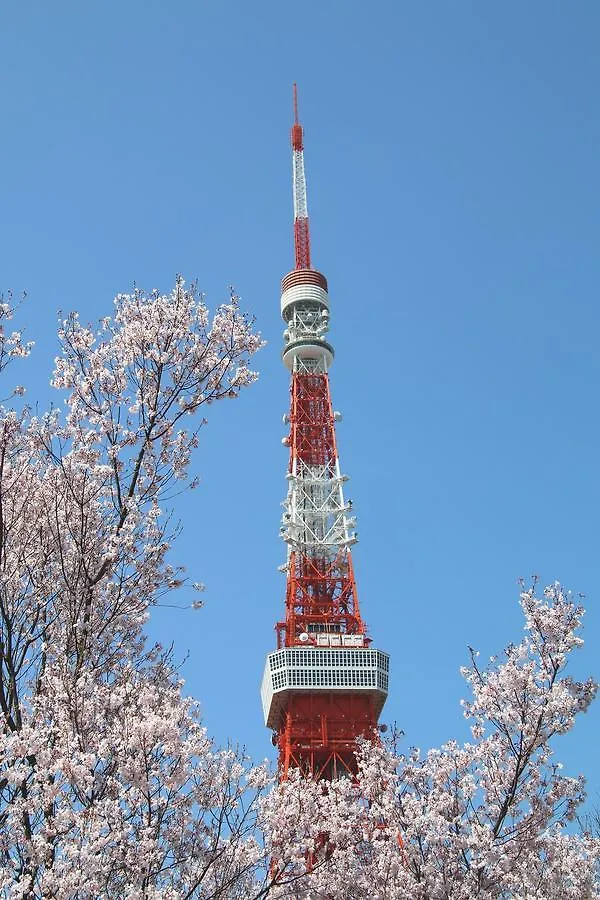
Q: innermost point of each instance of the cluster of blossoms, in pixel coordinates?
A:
(489, 819)
(11, 343)
(109, 785)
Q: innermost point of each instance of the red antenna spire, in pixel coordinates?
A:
(301, 227)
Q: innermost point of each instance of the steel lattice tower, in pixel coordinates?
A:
(324, 685)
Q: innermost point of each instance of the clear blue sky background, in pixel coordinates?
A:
(452, 158)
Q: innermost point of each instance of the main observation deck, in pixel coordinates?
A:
(356, 670)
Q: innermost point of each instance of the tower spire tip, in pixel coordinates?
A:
(297, 133)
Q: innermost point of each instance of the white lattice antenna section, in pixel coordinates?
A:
(316, 516)
(300, 203)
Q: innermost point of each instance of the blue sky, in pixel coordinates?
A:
(451, 153)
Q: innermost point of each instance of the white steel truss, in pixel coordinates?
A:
(307, 321)
(316, 516)
(299, 180)
(316, 365)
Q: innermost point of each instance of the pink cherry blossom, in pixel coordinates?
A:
(490, 819)
(110, 786)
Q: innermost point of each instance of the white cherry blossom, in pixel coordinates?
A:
(491, 819)
(110, 786)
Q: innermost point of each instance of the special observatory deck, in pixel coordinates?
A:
(312, 669)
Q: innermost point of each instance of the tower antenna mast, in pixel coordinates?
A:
(301, 224)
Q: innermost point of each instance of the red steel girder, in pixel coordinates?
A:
(312, 423)
(320, 731)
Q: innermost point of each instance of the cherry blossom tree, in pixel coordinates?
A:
(488, 819)
(109, 786)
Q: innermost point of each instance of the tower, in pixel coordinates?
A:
(324, 685)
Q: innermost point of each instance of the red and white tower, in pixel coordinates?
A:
(325, 685)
